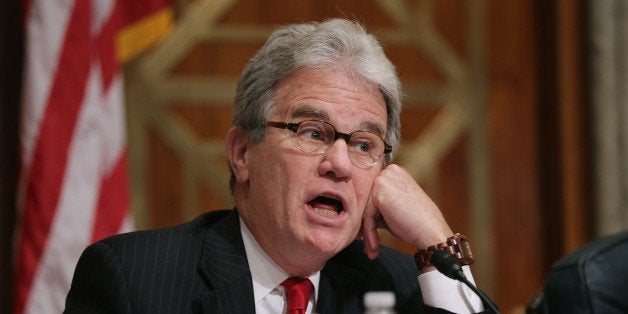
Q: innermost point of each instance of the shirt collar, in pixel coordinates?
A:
(266, 274)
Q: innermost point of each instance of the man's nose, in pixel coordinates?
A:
(336, 160)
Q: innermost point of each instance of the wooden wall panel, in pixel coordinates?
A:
(573, 117)
(514, 151)
(539, 140)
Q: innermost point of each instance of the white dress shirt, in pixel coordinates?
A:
(437, 289)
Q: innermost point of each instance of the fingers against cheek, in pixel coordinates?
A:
(369, 229)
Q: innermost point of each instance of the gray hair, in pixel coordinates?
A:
(332, 43)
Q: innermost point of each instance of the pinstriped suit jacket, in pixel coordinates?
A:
(201, 267)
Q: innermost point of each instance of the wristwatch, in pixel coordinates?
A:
(457, 245)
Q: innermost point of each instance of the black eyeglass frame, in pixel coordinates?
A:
(294, 127)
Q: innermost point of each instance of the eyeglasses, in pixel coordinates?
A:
(316, 136)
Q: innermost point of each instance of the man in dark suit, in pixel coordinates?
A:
(316, 118)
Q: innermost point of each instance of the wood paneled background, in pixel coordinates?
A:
(493, 124)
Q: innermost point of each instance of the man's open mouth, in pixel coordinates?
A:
(326, 205)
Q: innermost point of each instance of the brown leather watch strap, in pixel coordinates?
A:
(457, 245)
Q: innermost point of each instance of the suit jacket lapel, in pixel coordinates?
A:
(225, 268)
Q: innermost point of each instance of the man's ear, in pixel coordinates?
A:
(237, 147)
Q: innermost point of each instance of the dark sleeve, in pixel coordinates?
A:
(99, 285)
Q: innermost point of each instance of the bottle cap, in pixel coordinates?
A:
(379, 299)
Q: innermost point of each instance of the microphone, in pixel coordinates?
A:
(449, 266)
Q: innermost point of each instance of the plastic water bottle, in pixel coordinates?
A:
(379, 302)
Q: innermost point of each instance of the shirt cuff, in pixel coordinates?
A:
(448, 294)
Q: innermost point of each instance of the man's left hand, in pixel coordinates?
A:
(398, 204)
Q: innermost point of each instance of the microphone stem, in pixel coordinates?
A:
(485, 299)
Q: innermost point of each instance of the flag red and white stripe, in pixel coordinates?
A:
(73, 185)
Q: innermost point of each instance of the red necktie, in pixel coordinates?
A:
(298, 290)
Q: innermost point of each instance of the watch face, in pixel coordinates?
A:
(466, 247)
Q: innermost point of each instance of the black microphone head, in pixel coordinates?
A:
(447, 264)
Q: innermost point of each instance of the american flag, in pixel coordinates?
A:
(73, 181)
